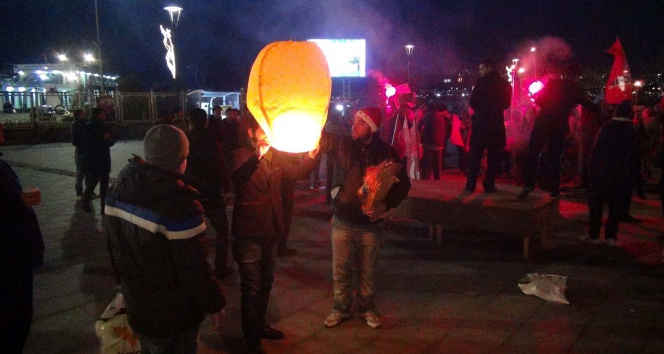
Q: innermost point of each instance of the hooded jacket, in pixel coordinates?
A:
(157, 244)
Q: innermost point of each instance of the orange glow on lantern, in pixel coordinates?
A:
(289, 94)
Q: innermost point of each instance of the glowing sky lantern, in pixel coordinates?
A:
(289, 94)
(390, 90)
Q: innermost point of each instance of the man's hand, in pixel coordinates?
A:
(377, 212)
(218, 318)
(314, 153)
(262, 147)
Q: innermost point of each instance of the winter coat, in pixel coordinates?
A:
(156, 238)
(257, 209)
(490, 97)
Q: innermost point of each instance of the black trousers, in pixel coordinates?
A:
(554, 140)
(16, 309)
(617, 197)
(475, 158)
(92, 178)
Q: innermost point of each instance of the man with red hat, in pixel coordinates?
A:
(356, 234)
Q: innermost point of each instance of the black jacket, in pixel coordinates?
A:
(258, 207)
(157, 244)
(491, 96)
(206, 164)
(96, 151)
(557, 99)
(613, 157)
(352, 159)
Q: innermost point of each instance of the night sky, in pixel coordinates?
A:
(217, 40)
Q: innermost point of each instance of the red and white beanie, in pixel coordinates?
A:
(371, 115)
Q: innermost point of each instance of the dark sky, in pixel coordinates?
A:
(219, 39)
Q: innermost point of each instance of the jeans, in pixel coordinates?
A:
(354, 248)
(215, 210)
(184, 343)
(80, 174)
(256, 260)
(91, 181)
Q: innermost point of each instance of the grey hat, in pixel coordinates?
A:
(165, 146)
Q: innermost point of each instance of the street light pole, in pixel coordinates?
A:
(101, 72)
(409, 51)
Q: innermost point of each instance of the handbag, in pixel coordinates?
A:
(113, 330)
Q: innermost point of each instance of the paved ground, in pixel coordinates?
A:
(461, 297)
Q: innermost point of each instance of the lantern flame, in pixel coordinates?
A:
(535, 87)
(294, 132)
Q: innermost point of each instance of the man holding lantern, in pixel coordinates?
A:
(356, 229)
(257, 173)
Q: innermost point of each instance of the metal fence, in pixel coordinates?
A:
(46, 108)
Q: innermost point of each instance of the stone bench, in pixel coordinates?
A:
(444, 205)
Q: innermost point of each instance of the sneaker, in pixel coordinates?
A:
(525, 192)
(592, 241)
(79, 198)
(372, 319)
(335, 318)
(611, 242)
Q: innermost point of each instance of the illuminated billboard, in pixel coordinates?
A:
(346, 57)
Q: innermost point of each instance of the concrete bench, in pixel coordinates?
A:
(444, 205)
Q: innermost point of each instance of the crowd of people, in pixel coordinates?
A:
(194, 167)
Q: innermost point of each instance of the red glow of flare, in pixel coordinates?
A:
(535, 87)
(390, 90)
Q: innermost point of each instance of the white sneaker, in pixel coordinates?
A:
(586, 238)
(335, 318)
(372, 319)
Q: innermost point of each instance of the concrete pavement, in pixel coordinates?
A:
(461, 297)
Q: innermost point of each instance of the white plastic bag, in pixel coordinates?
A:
(546, 286)
(114, 332)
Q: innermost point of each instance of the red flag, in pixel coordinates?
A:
(619, 86)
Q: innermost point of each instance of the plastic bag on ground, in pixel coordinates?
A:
(113, 330)
(546, 286)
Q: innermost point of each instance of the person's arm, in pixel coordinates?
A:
(244, 166)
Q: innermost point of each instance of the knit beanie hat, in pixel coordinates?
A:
(165, 146)
(371, 115)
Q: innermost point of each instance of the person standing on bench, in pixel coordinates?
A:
(491, 96)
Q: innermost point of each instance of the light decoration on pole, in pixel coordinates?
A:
(289, 94)
(170, 50)
(174, 14)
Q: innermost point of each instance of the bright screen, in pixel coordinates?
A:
(346, 57)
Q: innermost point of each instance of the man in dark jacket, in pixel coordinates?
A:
(257, 175)
(611, 174)
(206, 164)
(556, 100)
(156, 238)
(356, 234)
(21, 250)
(97, 158)
(491, 96)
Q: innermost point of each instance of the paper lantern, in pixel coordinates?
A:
(289, 94)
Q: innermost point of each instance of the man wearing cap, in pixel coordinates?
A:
(356, 235)
(156, 238)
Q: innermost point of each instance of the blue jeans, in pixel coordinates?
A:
(184, 343)
(354, 248)
(256, 260)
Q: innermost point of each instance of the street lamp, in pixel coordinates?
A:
(88, 57)
(409, 51)
(62, 57)
(532, 50)
(637, 87)
(101, 72)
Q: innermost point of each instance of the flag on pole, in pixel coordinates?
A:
(619, 85)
